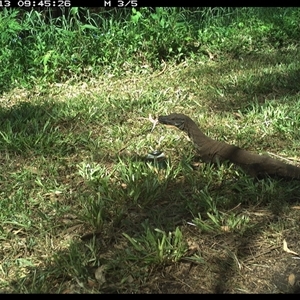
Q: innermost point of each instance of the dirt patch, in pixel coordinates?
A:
(254, 262)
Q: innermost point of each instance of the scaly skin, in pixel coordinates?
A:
(212, 151)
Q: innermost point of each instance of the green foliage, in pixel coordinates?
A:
(156, 247)
(52, 49)
(222, 222)
(13, 62)
(161, 35)
(141, 183)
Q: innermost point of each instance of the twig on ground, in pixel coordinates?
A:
(283, 158)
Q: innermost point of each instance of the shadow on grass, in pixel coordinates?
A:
(235, 83)
(53, 128)
(30, 128)
(73, 270)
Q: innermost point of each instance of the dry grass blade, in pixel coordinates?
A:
(286, 249)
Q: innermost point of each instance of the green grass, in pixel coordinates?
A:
(80, 210)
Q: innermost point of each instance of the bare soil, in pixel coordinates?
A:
(233, 265)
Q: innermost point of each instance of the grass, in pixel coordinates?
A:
(81, 211)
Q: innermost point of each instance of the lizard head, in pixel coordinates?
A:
(177, 120)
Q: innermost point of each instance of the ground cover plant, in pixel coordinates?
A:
(81, 209)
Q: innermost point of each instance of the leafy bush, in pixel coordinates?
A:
(83, 43)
